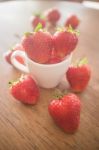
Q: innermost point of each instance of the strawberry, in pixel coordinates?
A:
(18, 46)
(25, 90)
(72, 20)
(65, 41)
(54, 59)
(53, 15)
(65, 112)
(8, 54)
(38, 45)
(37, 18)
(78, 76)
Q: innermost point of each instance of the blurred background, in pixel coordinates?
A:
(58, 0)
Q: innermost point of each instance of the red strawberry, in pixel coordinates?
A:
(54, 59)
(38, 45)
(8, 54)
(66, 112)
(53, 15)
(18, 46)
(65, 41)
(37, 18)
(25, 90)
(73, 21)
(78, 76)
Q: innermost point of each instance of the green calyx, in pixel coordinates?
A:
(68, 29)
(71, 30)
(38, 27)
(81, 62)
(58, 94)
(11, 83)
(28, 33)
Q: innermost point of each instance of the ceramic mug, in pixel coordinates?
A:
(46, 75)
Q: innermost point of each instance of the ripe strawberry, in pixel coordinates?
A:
(66, 112)
(18, 46)
(8, 54)
(78, 76)
(72, 20)
(25, 90)
(38, 45)
(54, 59)
(65, 41)
(53, 15)
(37, 18)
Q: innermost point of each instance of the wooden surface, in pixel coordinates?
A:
(30, 127)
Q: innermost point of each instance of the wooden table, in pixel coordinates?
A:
(30, 127)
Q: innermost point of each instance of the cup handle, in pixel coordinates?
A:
(17, 64)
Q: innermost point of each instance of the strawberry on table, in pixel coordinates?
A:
(65, 111)
(65, 41)
(7, 55)
(53, 15)
(38, 18)
(72, 20)
(79, 75)
(25, 90)
(38, 45)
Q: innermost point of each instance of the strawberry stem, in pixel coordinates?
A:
(38, 27)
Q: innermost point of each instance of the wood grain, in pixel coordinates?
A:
(30, 127)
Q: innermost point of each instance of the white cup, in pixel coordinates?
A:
(46, 75)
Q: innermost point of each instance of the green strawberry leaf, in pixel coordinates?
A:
(58, 94)
(71, 30)
(38, 27)
(83, 61)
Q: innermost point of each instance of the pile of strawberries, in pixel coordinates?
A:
(52, 17)
(64, 108)
(42, 47)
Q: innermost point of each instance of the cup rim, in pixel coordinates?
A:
(51, 65)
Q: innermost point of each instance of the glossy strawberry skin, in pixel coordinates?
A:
(78, 77)
(53, 15)
(38, 46)
(36, 19)
(66, 112)
(73, 21)
(64, 43)
(26, 90)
